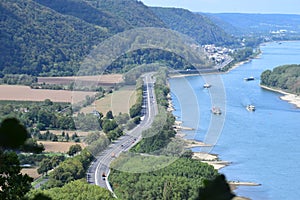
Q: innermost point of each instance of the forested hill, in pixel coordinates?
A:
(197, 26)
(36, 39)
(133, 11)
(286, 77)
(52, 37)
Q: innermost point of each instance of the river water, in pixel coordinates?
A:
(263, 146)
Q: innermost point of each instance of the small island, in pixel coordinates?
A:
(284, 79)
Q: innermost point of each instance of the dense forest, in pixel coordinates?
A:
(179, 180)
(197, 26)
(53, 37)
(286, 78)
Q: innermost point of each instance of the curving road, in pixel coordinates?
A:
(102, 162)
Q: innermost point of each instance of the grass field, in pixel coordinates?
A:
(58, 147)
(119, 101)
(32, 172)
(25, 93)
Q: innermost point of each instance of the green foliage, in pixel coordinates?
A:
(31, 145)
(87, 122)
(179, 180)
(43, 115)
(74, 149)
(15, 79)
(133, 12)
(148, 57)
(109, 115)
(75, 190)
(13, 184)
(197, 26)
(88, 13)
(92, 137)
(37, 40)
(71, 169)
(217, 189)
(109, 125)
(98, 145)
(286, 77)
(12, 133)
(122, 118)
(161, 131)
(243, 54)
(136, 109)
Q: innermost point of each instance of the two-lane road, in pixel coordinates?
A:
(102, 162)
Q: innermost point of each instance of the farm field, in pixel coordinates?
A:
(25, 93)
(104, 80)
(32, 172)
(58, 147)
(118, 101)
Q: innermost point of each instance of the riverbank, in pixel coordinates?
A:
(289, 97)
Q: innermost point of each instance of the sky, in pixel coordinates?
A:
(235, 6)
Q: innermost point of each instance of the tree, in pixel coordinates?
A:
(44, 166)
(109, 115)
(12, 134)
(217, 189)
(78, 189)
(109, 125)
(67, 137)
(74, 149)
(13, 184)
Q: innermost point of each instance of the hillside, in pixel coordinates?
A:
(197, 26)
(286, 78)
(88, 13)
(133, 11)
(35, 39)
(52, 37)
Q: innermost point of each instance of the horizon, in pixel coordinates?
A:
(231, 6)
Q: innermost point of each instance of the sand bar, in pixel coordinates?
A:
(289, 97)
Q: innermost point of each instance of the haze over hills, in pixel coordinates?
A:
(242, 23)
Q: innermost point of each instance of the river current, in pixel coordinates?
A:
(263, 146)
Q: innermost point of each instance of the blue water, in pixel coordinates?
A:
(263, 146)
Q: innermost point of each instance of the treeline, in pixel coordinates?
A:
(16, 79)
(179, 180)
(78, 189)
(286, 77)
(133, 59)
(42, 115)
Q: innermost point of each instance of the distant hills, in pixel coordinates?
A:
(256, 24)
(52, 37)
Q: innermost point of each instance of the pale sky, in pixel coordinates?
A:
(235, 6)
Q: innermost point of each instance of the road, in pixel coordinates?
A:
(102, 162)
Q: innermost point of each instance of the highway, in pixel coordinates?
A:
(102, 161)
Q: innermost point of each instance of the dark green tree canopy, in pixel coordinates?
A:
(12, 134)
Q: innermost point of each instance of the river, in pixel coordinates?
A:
(263, 146)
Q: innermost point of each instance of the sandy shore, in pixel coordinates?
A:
(291, 98)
